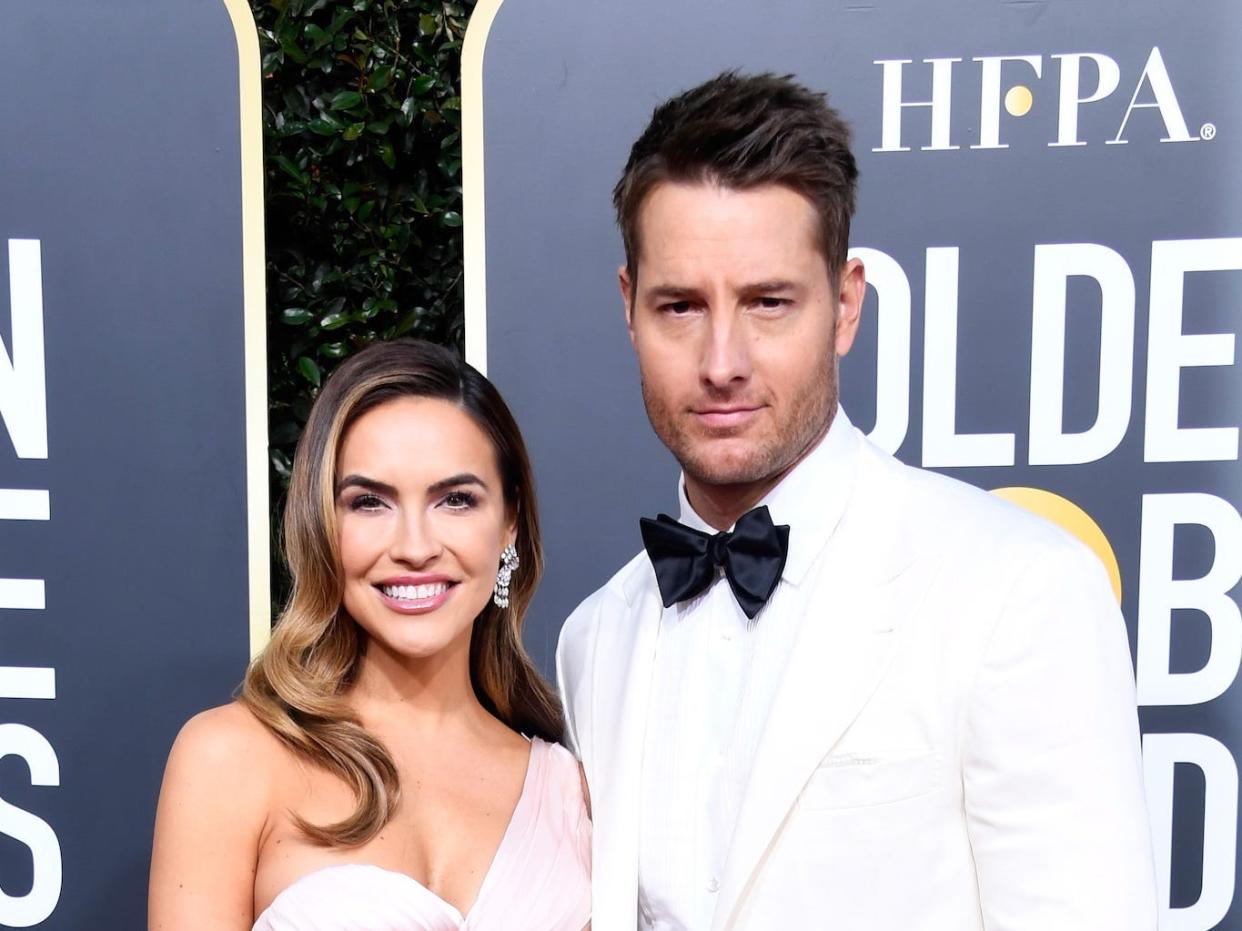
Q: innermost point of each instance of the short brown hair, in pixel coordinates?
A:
(742, 131)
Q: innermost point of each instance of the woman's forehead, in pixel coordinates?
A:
(416, 440)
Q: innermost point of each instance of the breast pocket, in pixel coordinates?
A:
(856, 780)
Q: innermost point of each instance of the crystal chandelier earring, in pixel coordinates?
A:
(508, 562)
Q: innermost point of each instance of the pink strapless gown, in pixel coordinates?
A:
(540, 879)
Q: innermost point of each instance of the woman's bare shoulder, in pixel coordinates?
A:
(228, 727)
(226, 743)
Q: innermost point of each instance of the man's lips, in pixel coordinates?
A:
(725, 415)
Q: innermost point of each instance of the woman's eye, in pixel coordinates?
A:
(460, 500)
(366, 503)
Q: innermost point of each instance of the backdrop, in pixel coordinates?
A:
(133, 512)
(1050, 216)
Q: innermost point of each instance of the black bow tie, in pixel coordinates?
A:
(685, 560)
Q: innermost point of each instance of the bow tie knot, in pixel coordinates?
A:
(752, 556)
(717, 548)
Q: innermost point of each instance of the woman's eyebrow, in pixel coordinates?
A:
(453, 481)
(370, 484)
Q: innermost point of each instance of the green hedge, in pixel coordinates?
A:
(362, 152)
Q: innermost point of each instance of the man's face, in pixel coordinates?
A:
(737, 325)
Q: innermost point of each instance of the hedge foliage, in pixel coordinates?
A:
(362, 158)
(362, 150)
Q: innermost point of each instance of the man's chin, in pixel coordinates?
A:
(712, 465)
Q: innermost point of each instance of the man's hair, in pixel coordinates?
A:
(742, 131)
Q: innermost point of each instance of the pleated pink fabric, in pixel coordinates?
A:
(539, 880)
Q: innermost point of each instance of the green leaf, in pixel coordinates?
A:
(334, 321)
(408, 107)
(309, 370)
(294, 316)
(427, 24)
(424, 83)
(293, 170)
(317, 35)
(321, 127)
(345, 100)
(380, 78)
(451, 218)
(387, 155)
(280, 464)
(334, 350)
(407, 322)
(289, 46)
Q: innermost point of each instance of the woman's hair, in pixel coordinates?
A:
(296, 686)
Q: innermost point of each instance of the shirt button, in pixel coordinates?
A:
(712, 885)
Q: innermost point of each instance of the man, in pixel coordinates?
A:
(911, 709)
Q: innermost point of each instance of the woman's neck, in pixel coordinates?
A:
(425, 692)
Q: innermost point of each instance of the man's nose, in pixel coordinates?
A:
(726, 350)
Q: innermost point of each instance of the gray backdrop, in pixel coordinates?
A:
(120, 155)
(568, 84)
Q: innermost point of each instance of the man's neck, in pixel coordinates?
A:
(720, 506)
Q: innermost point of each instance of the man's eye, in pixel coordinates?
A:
(460, 500)
(772, 303)
(676, 307)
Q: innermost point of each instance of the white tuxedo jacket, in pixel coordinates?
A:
(954, 745)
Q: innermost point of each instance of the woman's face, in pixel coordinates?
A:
(422, 519)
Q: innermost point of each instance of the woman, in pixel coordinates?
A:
(373, 775)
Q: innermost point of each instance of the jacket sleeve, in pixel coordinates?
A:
(573, 649)
(1052, 769)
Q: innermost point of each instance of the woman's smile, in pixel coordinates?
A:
(415, 594)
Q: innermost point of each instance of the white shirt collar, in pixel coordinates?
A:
(810, 499)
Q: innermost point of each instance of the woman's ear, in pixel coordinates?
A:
(511, 528)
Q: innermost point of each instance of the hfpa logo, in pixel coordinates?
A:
(1153, 85)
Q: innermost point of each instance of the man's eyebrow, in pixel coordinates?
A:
(669, 292)
(767, 287)
(370, 484)
(453, 481)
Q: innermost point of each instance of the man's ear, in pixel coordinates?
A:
(627, 298)
(850, 292)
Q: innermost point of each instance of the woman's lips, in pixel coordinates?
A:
(416, 599)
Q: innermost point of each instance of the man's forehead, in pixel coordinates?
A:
(683, 225)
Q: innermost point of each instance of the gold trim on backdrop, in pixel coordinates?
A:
(473, 213)
(255, 303)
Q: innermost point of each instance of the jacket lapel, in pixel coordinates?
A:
(624, 661)
(869, 587)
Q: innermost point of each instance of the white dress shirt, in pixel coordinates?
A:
(716, 674)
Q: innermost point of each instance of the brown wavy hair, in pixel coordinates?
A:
(296, 687)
